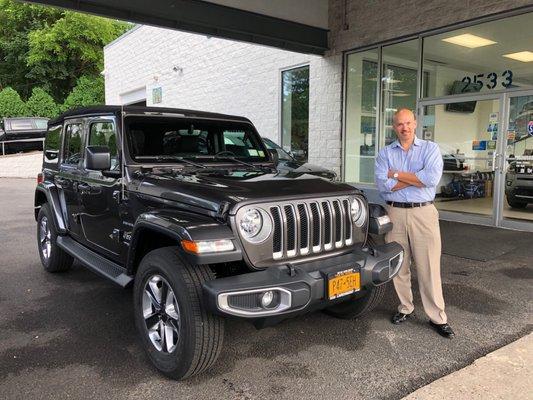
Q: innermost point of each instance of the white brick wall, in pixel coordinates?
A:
(229, 77)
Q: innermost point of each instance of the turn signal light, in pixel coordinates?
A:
(40, 178)
(207, 246)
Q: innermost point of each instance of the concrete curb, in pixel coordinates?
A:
(506, 373)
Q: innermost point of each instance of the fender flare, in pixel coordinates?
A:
(179, 226)
(52, 198)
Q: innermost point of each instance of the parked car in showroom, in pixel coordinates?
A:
(188, 207)
(22, 133)
(519, 180)
(288, 163)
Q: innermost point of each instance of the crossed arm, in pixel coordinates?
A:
(405, 179)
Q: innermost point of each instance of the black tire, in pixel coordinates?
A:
(516, 204)
(54, 258)
(201, 333)
(359, 306)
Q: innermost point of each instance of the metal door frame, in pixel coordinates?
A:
(522, 225)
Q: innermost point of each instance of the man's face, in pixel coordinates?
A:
(405, 126)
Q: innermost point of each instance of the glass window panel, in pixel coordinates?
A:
(295, 112)
(399, 83)
(496, 55)
(361, 111)
(73, 144)
(103, 134)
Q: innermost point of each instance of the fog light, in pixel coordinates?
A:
(267, 298)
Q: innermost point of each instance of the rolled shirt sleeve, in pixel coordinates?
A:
(432, 172)
(383, 183)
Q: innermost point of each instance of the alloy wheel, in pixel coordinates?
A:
(45, 238)
(161, 314)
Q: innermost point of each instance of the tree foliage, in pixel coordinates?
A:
(11, 105)
(41, 104)
(51, 48)
(87, 92)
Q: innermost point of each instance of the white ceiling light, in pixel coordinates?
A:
(469, 40)
(524, 56)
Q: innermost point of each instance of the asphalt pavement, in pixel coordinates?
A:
(71, 335)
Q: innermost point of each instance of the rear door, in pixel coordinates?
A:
(67, 179)
(99, 195)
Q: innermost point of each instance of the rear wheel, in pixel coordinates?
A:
(360, 306)
(53, 258)
(178, 333)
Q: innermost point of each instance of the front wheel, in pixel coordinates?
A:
(179, 335)
(515, 204)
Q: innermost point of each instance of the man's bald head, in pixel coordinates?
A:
(403, 112)
(404, 124)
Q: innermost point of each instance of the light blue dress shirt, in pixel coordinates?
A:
(423, 159)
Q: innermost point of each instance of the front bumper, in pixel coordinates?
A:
(303, 287)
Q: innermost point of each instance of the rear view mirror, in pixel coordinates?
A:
(97, 158)
(274, 155)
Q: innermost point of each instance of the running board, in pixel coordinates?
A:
(95, 262)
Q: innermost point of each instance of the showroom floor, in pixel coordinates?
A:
(484, 206)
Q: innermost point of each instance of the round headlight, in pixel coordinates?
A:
(355, 210)
(358, 212)
(251, 223)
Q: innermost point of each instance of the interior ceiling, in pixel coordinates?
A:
(296, 25)
(512, 35)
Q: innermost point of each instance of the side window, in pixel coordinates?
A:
(51, 144)
(72, 147)
(104, 134)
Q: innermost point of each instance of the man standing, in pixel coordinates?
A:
(407, 172)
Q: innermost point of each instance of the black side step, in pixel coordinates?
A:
(95, 262)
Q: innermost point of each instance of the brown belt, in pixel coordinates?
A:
(408, 205)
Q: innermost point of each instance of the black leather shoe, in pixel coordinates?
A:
(399, 317)
(444, 330)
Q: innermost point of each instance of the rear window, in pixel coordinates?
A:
(172, 137)
(21, 125)
(29, 124)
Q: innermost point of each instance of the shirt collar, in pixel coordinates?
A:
(417, 142)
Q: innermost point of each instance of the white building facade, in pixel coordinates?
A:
(190, 71)
(465, 69)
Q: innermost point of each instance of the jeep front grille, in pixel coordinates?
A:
(307, 227)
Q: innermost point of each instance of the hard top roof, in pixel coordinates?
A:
(115, 110)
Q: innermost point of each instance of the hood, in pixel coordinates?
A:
(308, 168)
(210, 189)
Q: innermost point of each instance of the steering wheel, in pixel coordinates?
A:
(225, 152)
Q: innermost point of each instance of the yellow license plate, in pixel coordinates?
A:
(343, 283)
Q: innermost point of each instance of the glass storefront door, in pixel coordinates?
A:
(486, 142)
(517, 172)
(466, 132)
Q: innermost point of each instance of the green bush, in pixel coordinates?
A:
(41, 104)
(11, 105)
(87, 92)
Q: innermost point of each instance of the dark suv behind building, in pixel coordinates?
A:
(188, 208)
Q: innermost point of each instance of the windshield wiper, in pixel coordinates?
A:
(161, 158)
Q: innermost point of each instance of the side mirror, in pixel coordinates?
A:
(274, 155)
(97, 158)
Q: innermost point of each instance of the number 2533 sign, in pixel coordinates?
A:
(490, 81)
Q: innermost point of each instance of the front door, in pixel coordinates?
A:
(467, 132)
(99, 195)
(67, 179)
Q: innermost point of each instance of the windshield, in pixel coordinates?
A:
(159, 139)
(282, 154)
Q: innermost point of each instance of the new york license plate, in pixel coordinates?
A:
(343, 283)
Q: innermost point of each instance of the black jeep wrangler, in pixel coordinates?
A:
(189, 208)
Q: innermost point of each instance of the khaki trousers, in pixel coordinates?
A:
(417, 230)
